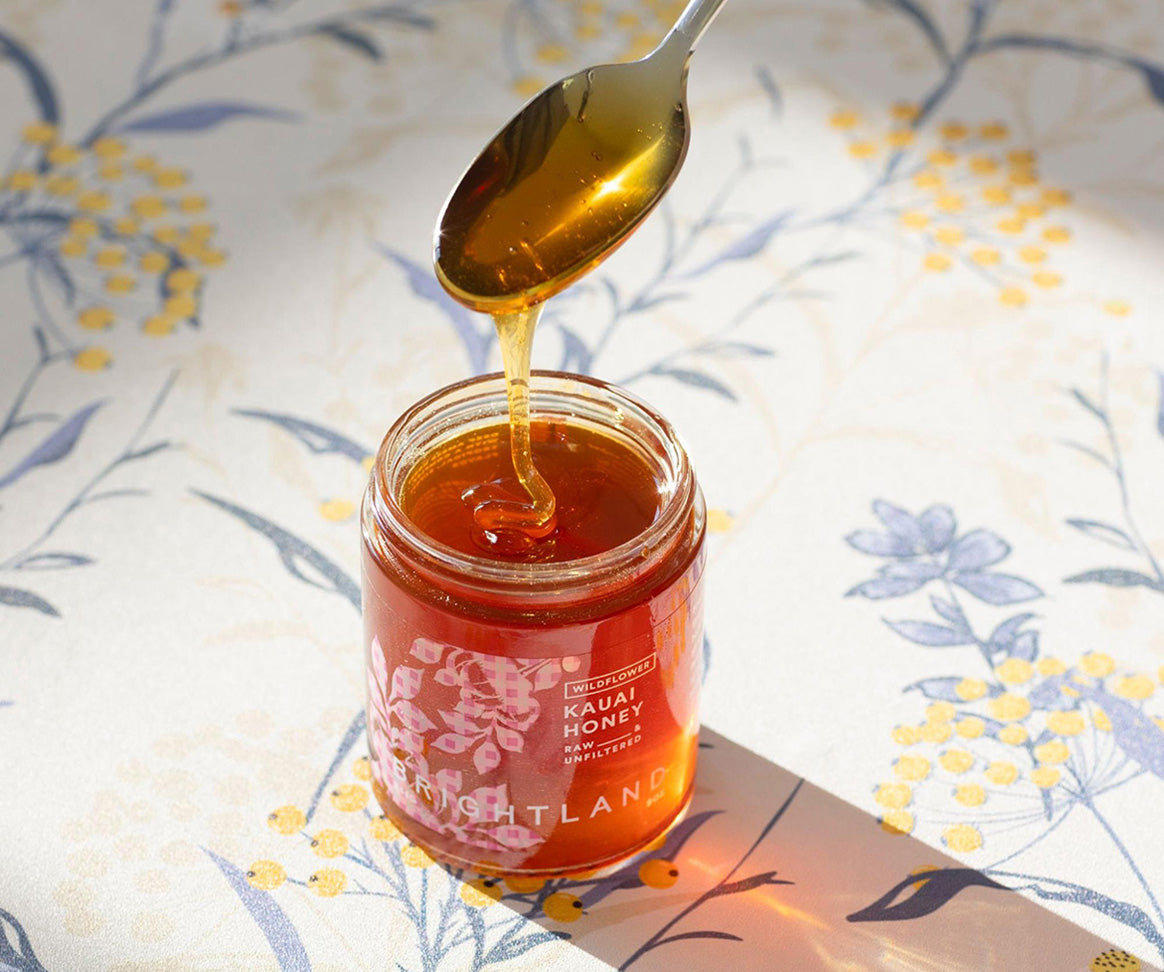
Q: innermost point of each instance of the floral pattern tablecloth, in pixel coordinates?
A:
(903, 304)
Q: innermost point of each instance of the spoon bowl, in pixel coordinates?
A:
(569, 178)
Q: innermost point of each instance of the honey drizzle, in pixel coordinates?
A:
(504, 524)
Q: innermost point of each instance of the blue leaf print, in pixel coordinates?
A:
(930, 635)
(878, 544)
(280, 933)
(317, 438)
(203, 116)
(937, 526)
(943, 688)
(923, 570)
(696, 379)
(1121, 911)
(742, 348)
(19, 957)
(1116, 577)
(1003, 636)
(58, 445)
(1160, 407)
(1136, 734)
(39, 85)
(949, 610)
(476, 340)
(1025, 646)
(53, 561)
(575, 355)
(1104, 532)
(292, 551)
(977, 549)
(997, 589)
(15, 597)
(1155, 78)
(936, 890)
(354, 39)
(354, 734)
(745, 247)
(900, 523)
(883, 587)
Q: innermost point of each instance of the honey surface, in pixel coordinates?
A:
(607, 492)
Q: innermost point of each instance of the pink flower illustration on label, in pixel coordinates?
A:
(492, 708)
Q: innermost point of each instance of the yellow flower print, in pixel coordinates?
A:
(936, 732)
(148, 207)
(415, 856)
(39, 133)
(897, 821)
(1014, 671)
(22, 180)
(63, 155)
(183, 280)
(381, 828)
(956, 761)
(1013, 735)
(914, 219)
(1009, 707)
(1055, 197)
(1117, 308)
(287, 820)
(109, 258)
(1115, 960)
(169, 178)
(109, 148)
(481, 893)
(1135, 687)
(153, 261)
(900, 138)
(928, 180)
(862, 149)
(92, 359)
(1069, 723)
(329, 843)
(953, 131)
(970, 727)
(336, 510)
(362, 769)
(563, 907)
(970, 689)
(962, 838)
(970, 795)
(893, 796)
(1097, 664)
(59, 185)
(844, 119)
(940, 711)
(120, 283)
(1055, 751)
(1002, 773)
(1050, 666)
(349, 797)
(93, 202)
(937, 262)
(912, 768)
(158, 325)
(266, 875)
(982, 165)
(907, 735)
(1045, 777)
(328, 882)
(942, 157)
(526, 885)
(950, 235)
(986, 256)
(658, 873)
(96, 318)
(72, 246)
(994, 131)
(904, 111)
(1057, 234)
(1013, 296)
(1032, 254)
(1046, 279)
(950, 203)
(192, 204)
(996, 195)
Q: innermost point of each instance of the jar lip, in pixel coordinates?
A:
(535, 577)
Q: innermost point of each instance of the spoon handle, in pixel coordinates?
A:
(695, 19)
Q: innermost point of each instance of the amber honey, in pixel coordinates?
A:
(534, 715)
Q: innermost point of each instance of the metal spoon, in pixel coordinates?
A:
(570, 177)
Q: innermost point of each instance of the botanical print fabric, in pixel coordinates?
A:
(902, 305)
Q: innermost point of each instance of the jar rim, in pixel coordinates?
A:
(629, 559)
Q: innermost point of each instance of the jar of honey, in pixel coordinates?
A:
(533, 711)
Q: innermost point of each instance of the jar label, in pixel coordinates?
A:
(517, 756)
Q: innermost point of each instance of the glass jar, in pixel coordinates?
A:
(533, 718)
